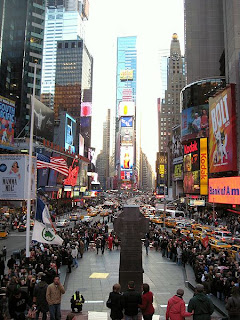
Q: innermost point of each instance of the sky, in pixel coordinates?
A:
(153, 22)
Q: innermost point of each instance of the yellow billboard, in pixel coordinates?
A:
(203, 167)
(126, 75)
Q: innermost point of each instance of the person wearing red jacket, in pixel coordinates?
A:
(147, 303)
(176, 307)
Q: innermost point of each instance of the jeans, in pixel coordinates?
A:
(44, 315)
(75, 263)
(146, 250)
(55, 313)
(148, 317)
(131, 317)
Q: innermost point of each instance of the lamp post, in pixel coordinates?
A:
(30, 166)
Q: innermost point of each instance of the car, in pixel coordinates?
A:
(62, 223)
(87, 219)
(236, 240)
(182, 231)
(170, 223)
(217, 245)
(22, 227)
(224, 236)
(74, 217)
(31, 224)
(104, 213)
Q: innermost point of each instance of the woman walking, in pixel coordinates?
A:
(115, 303)
(147, 303)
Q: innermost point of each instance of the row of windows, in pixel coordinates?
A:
(69, 45)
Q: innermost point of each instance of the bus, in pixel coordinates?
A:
(172, 213)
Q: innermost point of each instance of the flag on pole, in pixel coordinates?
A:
(55, 163)
(42, 213)
(44, 234)
(205, 241)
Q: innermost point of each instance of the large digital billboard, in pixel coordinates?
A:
(81, 145)
(177, 154)
(126, 157)
(86, 109)
(126, 136)
(43, 120)
(203, 167)
(7, 122)
(224, 190)
(14, 177)
(222, 139)
(126, 122)
(69, 133)
(126, 108)
(191, 164)
(195, 122)
(126, 75)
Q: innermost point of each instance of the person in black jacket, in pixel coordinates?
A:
(18, 304)
(39, 298)
(115, 303)
(131, 300)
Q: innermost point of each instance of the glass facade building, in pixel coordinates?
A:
(21, 45)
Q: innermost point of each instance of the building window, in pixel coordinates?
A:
(60, 45)
(66, 45)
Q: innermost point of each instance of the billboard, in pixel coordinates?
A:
(126, 122)
(222, 142)
(126, 136)
(7, 122)
(195, 122)
(126, 75)
(127, 94)
(92, 155)
(81, 145)
(86, 109)
(126, 157)
(203, 167)
(69, 133)
(126, 108)
(126, 175)
(224, 190)
(178, 171)
(14, 177)
(191, 165)
(43, 120)
(177, 147)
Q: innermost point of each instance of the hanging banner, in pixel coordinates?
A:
(203, 167)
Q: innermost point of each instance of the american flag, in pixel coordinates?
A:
(55, 163)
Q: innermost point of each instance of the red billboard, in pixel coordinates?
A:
(224, 190)
(222, 133)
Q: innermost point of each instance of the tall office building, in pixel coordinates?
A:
(64, 21)
(125, 134)
(74, 84)
(204, 38)
(21, 44)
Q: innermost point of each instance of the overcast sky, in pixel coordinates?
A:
(153, 22)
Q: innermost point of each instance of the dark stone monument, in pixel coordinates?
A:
(131, 226)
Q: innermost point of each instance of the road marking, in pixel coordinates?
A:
(98, 275)
(165, 305)
(97, 315)
(163, 262)
(96, 301)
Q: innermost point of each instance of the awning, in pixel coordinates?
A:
(238, 212)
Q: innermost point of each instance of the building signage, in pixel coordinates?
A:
(126, 75)
(127, 94)
(126, 158)
(196, 202)
(7, 122)
(222, 142)
(178, 172)
(69, 134)
(191, 164)
(126, 108)
(86, 109)
(224, 190)
(203, 167)
(126, 122)
(43, 120)
(126, 136)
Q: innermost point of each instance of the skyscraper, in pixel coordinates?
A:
(21, 32)
(64, 21)
(204, 38)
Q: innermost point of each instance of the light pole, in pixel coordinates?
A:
(30, 166)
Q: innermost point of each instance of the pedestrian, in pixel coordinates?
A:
(4, 252)
(54, 295)
(147, 303)
(39, 298)
(11, 263)
(233, 304)
(110, 242)
(69, 262)
(115, 303)
(200, 304)
(146, 244)
(18, 304)
(81, 248)
(98, 244)
(74, 256)
(176, 309)
(131, 300)
(2, 268)
(77, 301)
(179, 255)
(103, 242)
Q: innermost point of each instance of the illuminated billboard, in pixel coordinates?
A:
(126, 75)
(195, 122)
(178, 171)
(7, 122)
(191, 164)
(222, 138)
(69, 133)
(126, 136)
(81, 145)
(203, 167)
(43, 120)
(127, 94)
(177, 153)
(126, 157)
(224, 190)
(126, 122)
(126, 108)
(126, 175)
(86, 109)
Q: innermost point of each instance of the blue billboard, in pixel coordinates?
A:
(126, 122)
(69, 133)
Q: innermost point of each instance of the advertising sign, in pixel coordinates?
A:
(126, 75)
(126, 175)
(177, 147)
(43, 120)
(127, 94)
(195, 122)
(14, 177)
(178, 171)
(126, 136)
(92, 155)
(126, 122)
(203, 167)
(81, 145)
(126, 157)
(224, 190)
(126, 108)
(86, 109)
(222, 142)
(7, 121)
(191, 164)
(69, 135)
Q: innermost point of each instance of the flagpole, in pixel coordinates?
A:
(30, 166)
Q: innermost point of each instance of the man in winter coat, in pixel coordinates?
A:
(176, 307)
(53, 296)
(39, 298)
(18, 303)
(131, 300)
(200, 304)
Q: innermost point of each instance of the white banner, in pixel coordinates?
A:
(44, 234)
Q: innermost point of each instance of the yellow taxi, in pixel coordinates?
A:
(104, 213)
(157, 220)
(183, 230)
(200, 236)
(217, 246)
(170, 223)
(233, 250)
(92, 213)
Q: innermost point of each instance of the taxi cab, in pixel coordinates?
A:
(217, 245)
(170, 223)
(104, 213)
(92, 213)
(183, 230)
